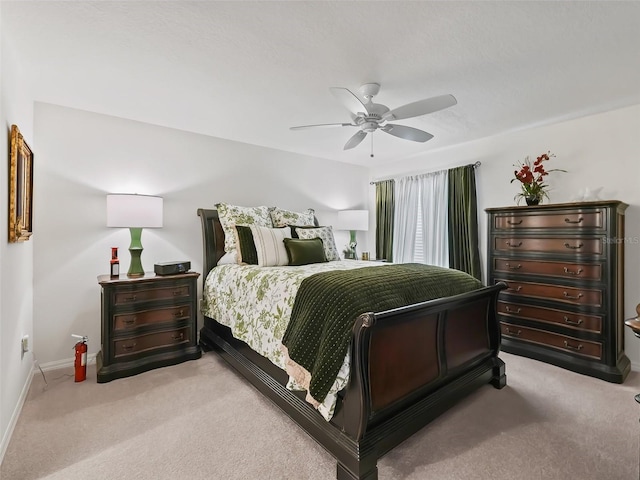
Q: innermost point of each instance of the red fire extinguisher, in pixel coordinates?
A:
(81, 358)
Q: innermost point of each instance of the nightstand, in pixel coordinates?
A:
(147, 322)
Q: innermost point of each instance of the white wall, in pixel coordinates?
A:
(83, 156)
(16, 259)
(597, 151)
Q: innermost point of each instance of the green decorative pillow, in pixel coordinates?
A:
(246, 246)
(304, 252)
(232, 215)
(282, 218)
(326, 234)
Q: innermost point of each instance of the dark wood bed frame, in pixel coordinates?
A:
(408, 366)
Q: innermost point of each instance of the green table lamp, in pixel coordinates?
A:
(353, 220)
(135, 212)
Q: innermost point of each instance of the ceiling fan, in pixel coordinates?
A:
(369, 117)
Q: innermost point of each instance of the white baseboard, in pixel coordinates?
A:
(67, 362)
(16, 414)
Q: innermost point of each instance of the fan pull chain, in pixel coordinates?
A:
(371, 144)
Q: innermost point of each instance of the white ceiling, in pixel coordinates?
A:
(247, 71)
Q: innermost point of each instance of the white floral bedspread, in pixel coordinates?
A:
(256, 303)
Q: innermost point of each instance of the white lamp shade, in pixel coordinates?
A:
(132, 210)
(353, 220)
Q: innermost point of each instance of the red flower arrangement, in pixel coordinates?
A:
(531, 178)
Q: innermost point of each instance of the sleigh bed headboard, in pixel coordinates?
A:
(212, 239)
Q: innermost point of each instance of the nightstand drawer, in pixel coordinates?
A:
(572, 345)
(569, 220)
(146, 295)
(146, 317)
(588, 271)
(151, 341)
(584, 245)
(576, 321)
(561, 293)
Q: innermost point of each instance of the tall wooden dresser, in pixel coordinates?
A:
(564, 267)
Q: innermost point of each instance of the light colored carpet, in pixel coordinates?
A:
(200, 420)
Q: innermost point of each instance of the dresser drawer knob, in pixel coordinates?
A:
(571, 322)
(514, 333)
(571, 297)
(514, 223)
(579, 220)
(514, 245)
(132, 298)
(178, 336)
(577, 348)
(129, 347)
(578, 272)
(574, 247)
(508, 309)
(177, 293)
(129, 321)
(510, 267)
(517, 289)
(179, 313)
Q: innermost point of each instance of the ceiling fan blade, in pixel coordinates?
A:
(355, 140)
(421, 107)
(408, 133)
(323, 125)
(349, 100)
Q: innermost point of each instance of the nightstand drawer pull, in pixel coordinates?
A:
(179, 336)
(515, 289)
(511, 332)
(179, 313)
(574, 221)
(513, 311)
(514, 223)
(132, 298)
(571, 297)
(129, 321)
(177, 293)
(566, 245)
(571, 322)
(573, 347)
(514, 245)
(517, 267)
(129, 347)
(578, 272)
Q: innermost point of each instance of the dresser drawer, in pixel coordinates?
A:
(588, 271)
(147, 317)
(561, 342)
(583, 245)
(151, 341)
(145, 295)
(569, 220)
(561, 293)
(576, 321)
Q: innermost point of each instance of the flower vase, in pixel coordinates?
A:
(532, 200)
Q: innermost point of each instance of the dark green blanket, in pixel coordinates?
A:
(328, 303)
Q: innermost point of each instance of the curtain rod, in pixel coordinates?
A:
(474, 165)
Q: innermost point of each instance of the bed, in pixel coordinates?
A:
(407, 366)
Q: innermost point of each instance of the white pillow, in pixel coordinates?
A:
(328, 241)
(270, 245)
(228, 259)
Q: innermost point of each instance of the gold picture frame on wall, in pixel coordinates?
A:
(20, 188)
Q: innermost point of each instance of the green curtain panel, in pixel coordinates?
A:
(385, 205)
(464, 253)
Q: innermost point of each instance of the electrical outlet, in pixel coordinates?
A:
(25, 343)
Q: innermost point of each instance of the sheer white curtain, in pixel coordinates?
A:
(434, 202)
(420, 230)
(405, 219)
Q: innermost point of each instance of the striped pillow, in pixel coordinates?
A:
(270, 245)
